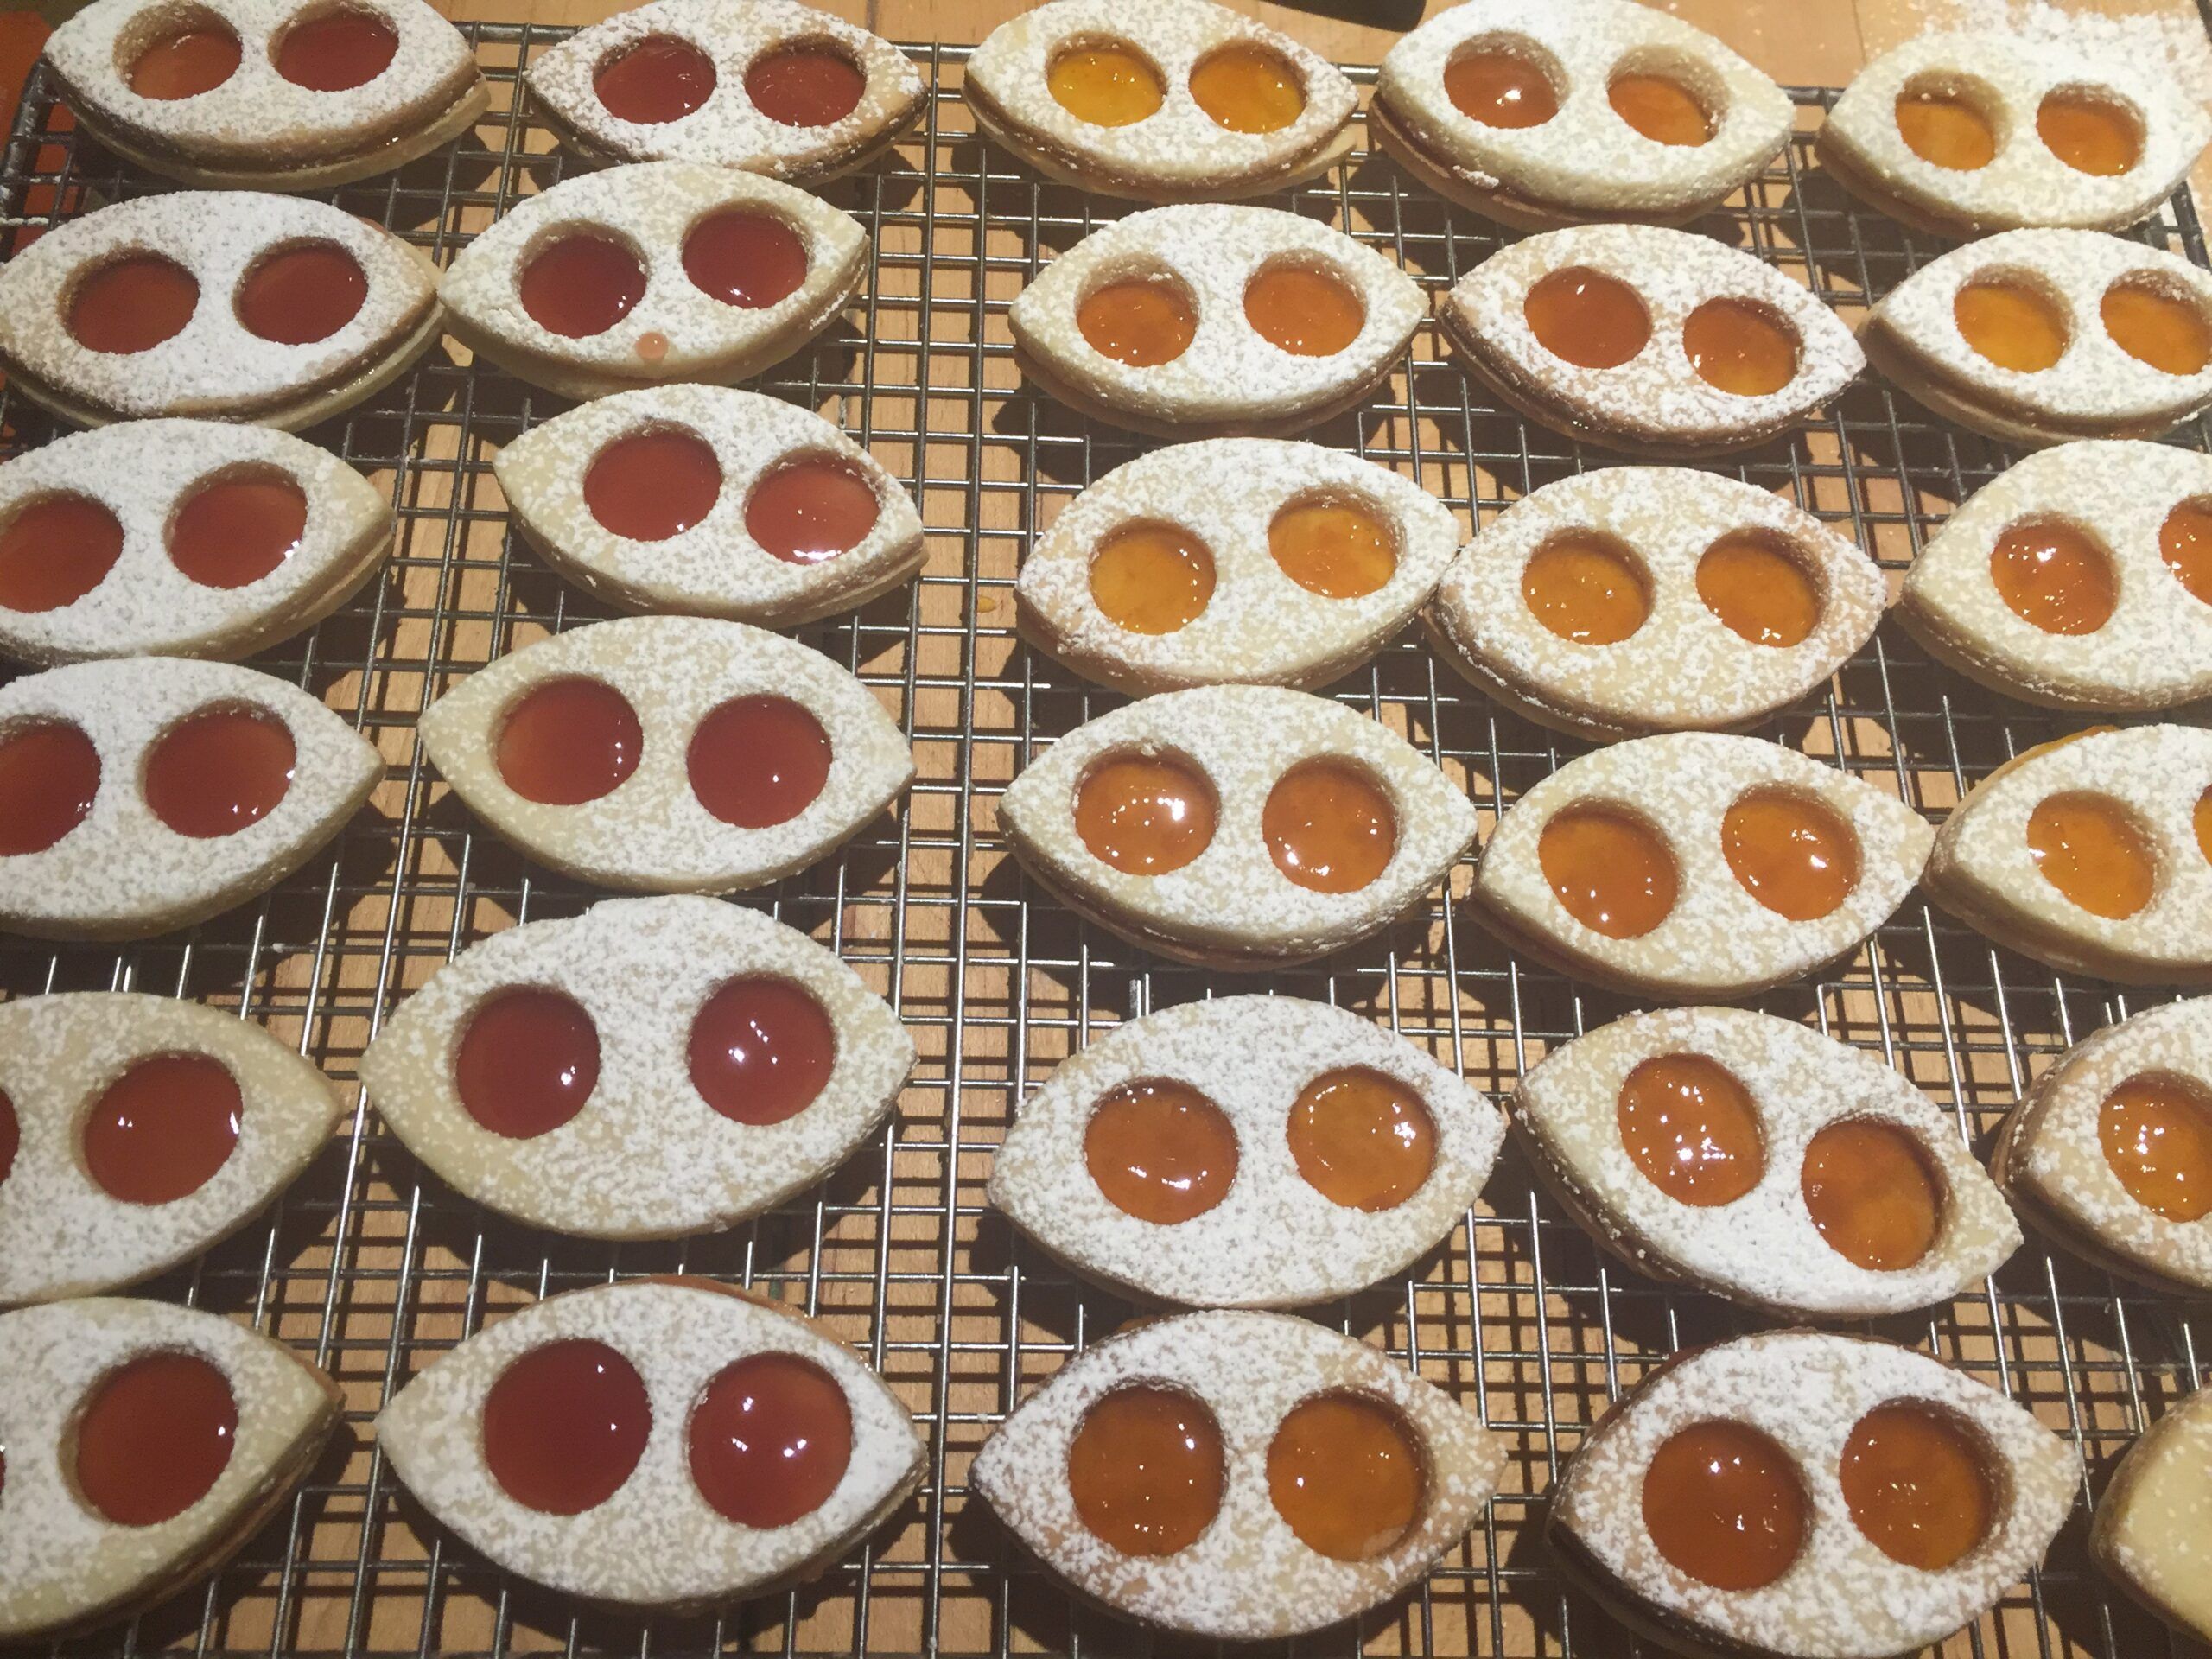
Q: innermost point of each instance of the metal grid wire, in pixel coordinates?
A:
(376, 1269)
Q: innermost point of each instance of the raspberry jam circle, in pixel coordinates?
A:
(302, 294)
(219, 771)
(568, 741)
(337, 51)
(132, 304)
(761, 1050)
(234, 529)
(580, 285)
(652, 485)
(662, 78)
(770, 1439)
(162, 1130)
(48, 774)
(56, 550)
(745, 259)
(527, 1062)
(804, 85)
(812, 509)
(156, 1434)
(759, 761)
(565, 1425)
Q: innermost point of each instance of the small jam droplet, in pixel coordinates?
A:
(2013, 326)
(1146, 1470)
(568, 741)
(2089, 134)
(1741, 348)
(1308, 313)
(160, 1131)
(1248, 89)
(527, 1062)
(2156, 1135)
(1345, 1476)
(1160, 1151)
(804, 85)
(1499, 90)
(2090, 850)
(1946, 130)
(660, 79)
(770, 1439)
(1151, 578)
(336, 51)
(1723, 1503)
(10, 1135)
(1791, 852)
(1690, 1127)
(132, 304)
(1761, 592)
(565, 1425)
(236, 528)
(1142, 320)
(156, 1434)
(1144, 815)
(216, 773)
(2185, 544)
(1106, 85)
(56, 550)
(1339, 550)
(1872, 1196)
(304, 293)
(1586, 318)
(582, 285)
(748, 260)
(2168, 333)
(2202, 818)
(758, 761)
(652, 485)
(1661, 110)
(1917, 1483)
(186, 64)
(1330, 827)
(2054, 575)
(810, 510)
(1611, 873)
(1586, 587)
(1362, 1140)
(49, 775)
(761, 1051)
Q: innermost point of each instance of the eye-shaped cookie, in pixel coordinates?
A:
(650, 1068)
(669, 1444)
(227, 304)
(1257, 560)
(763, 85)
(182, 539)
(1246, 1151)
(652, 273)
(669, 754)
(2036, 337)
(1985, 130)
(1238, 1475)
(1207, 320)
(1694, 865)
(713, 502)
(1640, 338)
(1756, 1159)
(92, 1529)
(1809, 1495)
(148, 793)
(2153, 1525)
(1162, 101)
(1645, 599)
(268, 94)
(1236, 826)
(1541, 113)
(2093, 854)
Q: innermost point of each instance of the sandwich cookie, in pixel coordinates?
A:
(2154, 1523)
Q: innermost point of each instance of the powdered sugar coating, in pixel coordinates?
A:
(2152, 1528)
(656, 1542)
(1248, 1576)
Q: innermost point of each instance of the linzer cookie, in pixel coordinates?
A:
(1542, 113)
(1651, 599)
(1162, 101)
(1638, 338)
(228, 303)
(2153, 1525)
(763, 85)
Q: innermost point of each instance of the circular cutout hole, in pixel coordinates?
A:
(1724, 1504)
(1304, 310)
(219, 771)
(336, 51)
(188, 61)
(1151, 578)
(1330, 827)
(1871, 1193)
(1662, 110)
(1146, 1470)
(162, 1130)
(770, 1441)
(300, 294)
(1941, 122)
(812, 509)
(1160, 1151)
(806, 86)
(527, 1062)
(2156, 1131)
(1142, 320)
(759, 761)
(2092, 851)
(1586, 318)
(1106, 83)
(1145, 814)
(131, 304)
(1346, 1475)
(2010, 323)
(1916, 1479)
(564, 1426)
(1586, 588)
(580, 284)
(49, 773)
(2185, 544)
(55, 550)
(1757, 583)
(1689, 1126)
(2155, 327)
(1740, 347)
(2054, 575)
(1609, 869)
(663, 78)
(1362, 1140)
(236, 528)
(155, 1436)
(1334, 546)
(761, 1050)
(650, 485)
(1489, 82)
(566, 741)
(2091, 130)
(1791, 852)
(1247, 87)
(749, 260)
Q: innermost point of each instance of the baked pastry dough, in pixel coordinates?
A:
(1290, 1080)
(1577, 1112)
(65, 1567)
(671, 328)
(121, 872)
(657, 1542)
(2054, 287)
(144, 475)
(259, 128)
(652, 830)
(2013, 86)
(713, 567)
(2115, 813)
(1303, 563)
(1231, 904)
(1641, 387)
(1709, 644)
(1228, 380)
(1647, 842)
(1248, 1574)
(1842, 1596)
(1586, 160)
(212, 364)
(2154, 1523)
(727, 128)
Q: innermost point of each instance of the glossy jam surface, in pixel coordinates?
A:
(2054, 575)
(2090, 135)
(1662, 109)
(156, 1432)
(183, 64)
(770, 1439)
(236, 528)
(1308, 313)
(1336, 549)
(757, 761)
(2157, 1134)
(662, 78)
(301, 293)
(1872, 1194)
(215, 772)
(1160, 1151)
(1689, 1125)
(2092, 851)
(652, 485)
(1761, 591)
(2011, 324)
(1248, 89)
(336, 50)
(1345, 1475)
(804, 85)
(1792, 853)
(1140, 321)
(1330, 827)
(1145, 814)
(527, 1062)
(1613, 873)
(1146, 1470)
(579, 284)
(812, 509)
(54, 550)
(1586, 318)
(564, 1426)
(132, 304)
(1151, 577)
(2185, 544)
(1946, 130)
(2168, 333)
(1586, 588)
(1360, 1138)
(1500, 89)
(48, 774)
(160, 1131)
(1106, 84)
(1724, 1504)
(748, 260)
(1740, 347)
(761, 1049)
(2201, 820)
(11, 1136)
(564, 742)
(1918, 1484)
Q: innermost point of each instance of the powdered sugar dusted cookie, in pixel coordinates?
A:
(2154, 1523)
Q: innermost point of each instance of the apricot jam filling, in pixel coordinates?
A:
(162, 1130)
(299, 294)
(1586, 318)
(1145, 814)
(662, 78)
(218, 772)
(2090, 848)
(337, 50)
(745, 259)
(1333, 547)
(2156, 1131)
(1690, 1127)
(2010, 323)
(1916, 1481)
(2153, 327)
(1346, 1475)
(761, 1051)
(155, 1436)
(527, 1062)
(1105, 84)
(759, 761)
(1249, 88)
(648, 485)
(1791, 852)
(1330, 826)
(1500, 89)
(1160, 1151)
(1362, 1140)
(1151, 577)
(1609, 869)
(1146, 1470)
(1723, 1503)
(812, 508)
(131, 304)
(2088, 133)
(193, 59)
(2185, 545)
(566, 741)
(1946, 128)
(804, 85)
(49, 773)
(770, 1439)
(1663, 110)
(580, 284)
(2055, 575)
(564, 1426)
(1143, 321)
(1872, 1194)
(1586, 588)
(1742, 348)
(234, 529)
(54, 550)
(1759, 590)
(1306, 312)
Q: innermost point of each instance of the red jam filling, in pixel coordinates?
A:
(236, 530)
(750, 260)
(216, 773)
(770, 1439)
(652, 485)
(810, 510)
(55, 550)
(660, 79)
(132, 304)
(337, 51)
(49, 775)
(565, 1425)
(758, 761)
(568, 741)
(527, 1062)
(582, 285)
(804, 85)
(160, 1131)
(761, 1049)
(302, 294)
(186, 64)
(156, 1434)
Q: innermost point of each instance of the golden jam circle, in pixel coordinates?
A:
(1759, 590)
(1346, 1476)
(1160, 1151)
(1330, 827)
(1107, 84)
(1609, 870)
(2089, 134)
(1943, 128)
(1872, 1194)
(2185, 544)
(2091, 849)
(1586, 318)
(1151, 577)
(1791, 852)
(1144, 815)
(2013, 326)
(1689, 1125)
(2054, 576)
(1146, 1470)
(2157, 1134)
(1140, 321)
(1362, 1140)
(1335, 548)
(2153, 327)
(1308, 313)
(1723, 1503)
(1743, 349)
(1249, 88)
(1586, 588)
(1916, 1482)
(1500, 89)
(1663, 110)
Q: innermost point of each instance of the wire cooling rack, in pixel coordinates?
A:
(375, 1269)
